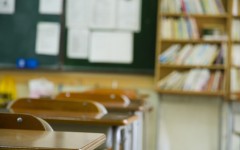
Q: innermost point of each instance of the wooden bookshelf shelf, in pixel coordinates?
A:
(192, 41)
(235, 66)
(235, 93)
(236, 16)
(236, 41)
(197, 93)
(194, 15)
(173, 39)
(174, 66)
(235, 96)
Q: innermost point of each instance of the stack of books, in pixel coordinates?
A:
(200, 54)
(179, 28)
(193, 6)
(193, 80)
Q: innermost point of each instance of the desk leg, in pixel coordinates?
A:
(117, 137)
(138, 132)
(126, 138)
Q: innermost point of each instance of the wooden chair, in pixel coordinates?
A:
(64, 108)
(108, 100)
(23, 121)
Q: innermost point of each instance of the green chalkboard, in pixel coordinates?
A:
(18, 35)
(144, 47)
(18, 39)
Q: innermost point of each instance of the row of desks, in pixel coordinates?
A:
(117, 121)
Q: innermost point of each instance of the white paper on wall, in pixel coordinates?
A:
(77, 13)
(77, 44)
(129, 15)
(7, 6)
(111, 47)
(50, 7)
(103, 14)
(48, 38)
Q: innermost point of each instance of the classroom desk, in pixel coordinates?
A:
(117, 121)
(139, 108)
(42, 140)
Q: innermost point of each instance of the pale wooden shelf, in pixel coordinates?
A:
(235, 93)
(191, 41)
(235, 66)
(180, 92)
(236, 16)
(235, 96)
(194, 15)
(235, 41)
(174, 66)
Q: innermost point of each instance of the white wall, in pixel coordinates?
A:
(190, 122)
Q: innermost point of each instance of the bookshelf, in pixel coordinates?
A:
(207, 28)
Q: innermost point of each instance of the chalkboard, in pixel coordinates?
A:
(18, 35)
(144, 47)
(18, 38)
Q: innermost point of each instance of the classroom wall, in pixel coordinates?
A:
(197, 123)
(190, 122)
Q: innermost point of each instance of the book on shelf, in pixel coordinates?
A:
(196, 79)
(221, 57)
(235, 55)
(170, 54)
(199, 54)
(235, 7)
(235, 29)
(193, 80)
(214, 7)
(235, 80)
(179, 28)
(210, 82)
(216, 81)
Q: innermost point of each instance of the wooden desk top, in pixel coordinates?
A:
(29, 139)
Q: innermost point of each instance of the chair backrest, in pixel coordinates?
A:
(23, 121)
(131, 94)
(61, 108)
(107, 100)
